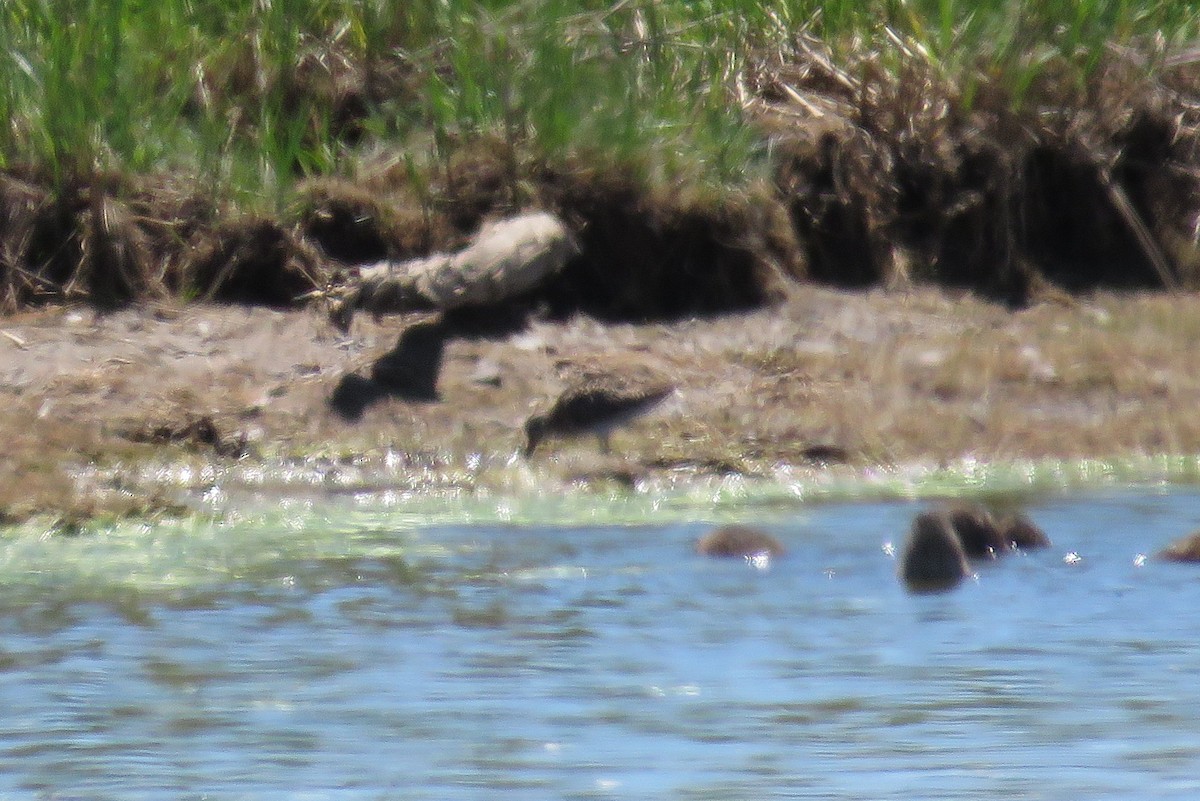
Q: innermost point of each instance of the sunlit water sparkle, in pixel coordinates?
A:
(444, 650)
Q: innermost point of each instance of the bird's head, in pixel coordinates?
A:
(535, 432)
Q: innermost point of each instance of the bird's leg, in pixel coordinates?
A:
(605, 447)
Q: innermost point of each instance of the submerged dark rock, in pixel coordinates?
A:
(736, 541)
(1185, 549)
(1022, 533)
(933, 558)
(985, 536)
(977, 530)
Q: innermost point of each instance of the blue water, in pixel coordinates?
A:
(349, 654)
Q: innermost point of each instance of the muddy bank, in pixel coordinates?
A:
(998, 249)
(870, 175)
(826, 380)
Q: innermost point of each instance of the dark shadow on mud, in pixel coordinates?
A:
(353, 395)
(835, 205)
(254, 261)
(410, 371)
(648, 257)
(492, 322)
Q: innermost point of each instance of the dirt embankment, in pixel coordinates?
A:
(872, 176)
(889, 182)
(829, 376)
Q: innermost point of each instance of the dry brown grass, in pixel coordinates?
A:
(892, 173)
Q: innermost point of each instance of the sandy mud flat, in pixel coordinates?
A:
(826, 379)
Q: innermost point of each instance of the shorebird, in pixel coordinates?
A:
(595, 409)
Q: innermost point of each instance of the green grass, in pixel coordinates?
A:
(240, 95)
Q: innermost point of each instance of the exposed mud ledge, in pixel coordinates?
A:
(827, 381)
(873, 177)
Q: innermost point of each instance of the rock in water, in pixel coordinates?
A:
(1186, 549)
(738, 541)
(976, 530)
(933, 558)
(1023, 534)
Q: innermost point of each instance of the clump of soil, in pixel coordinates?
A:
(894, 175)
(646, 256)
(110, 242)
(353, 225)
(255, 261)
(82, 243)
